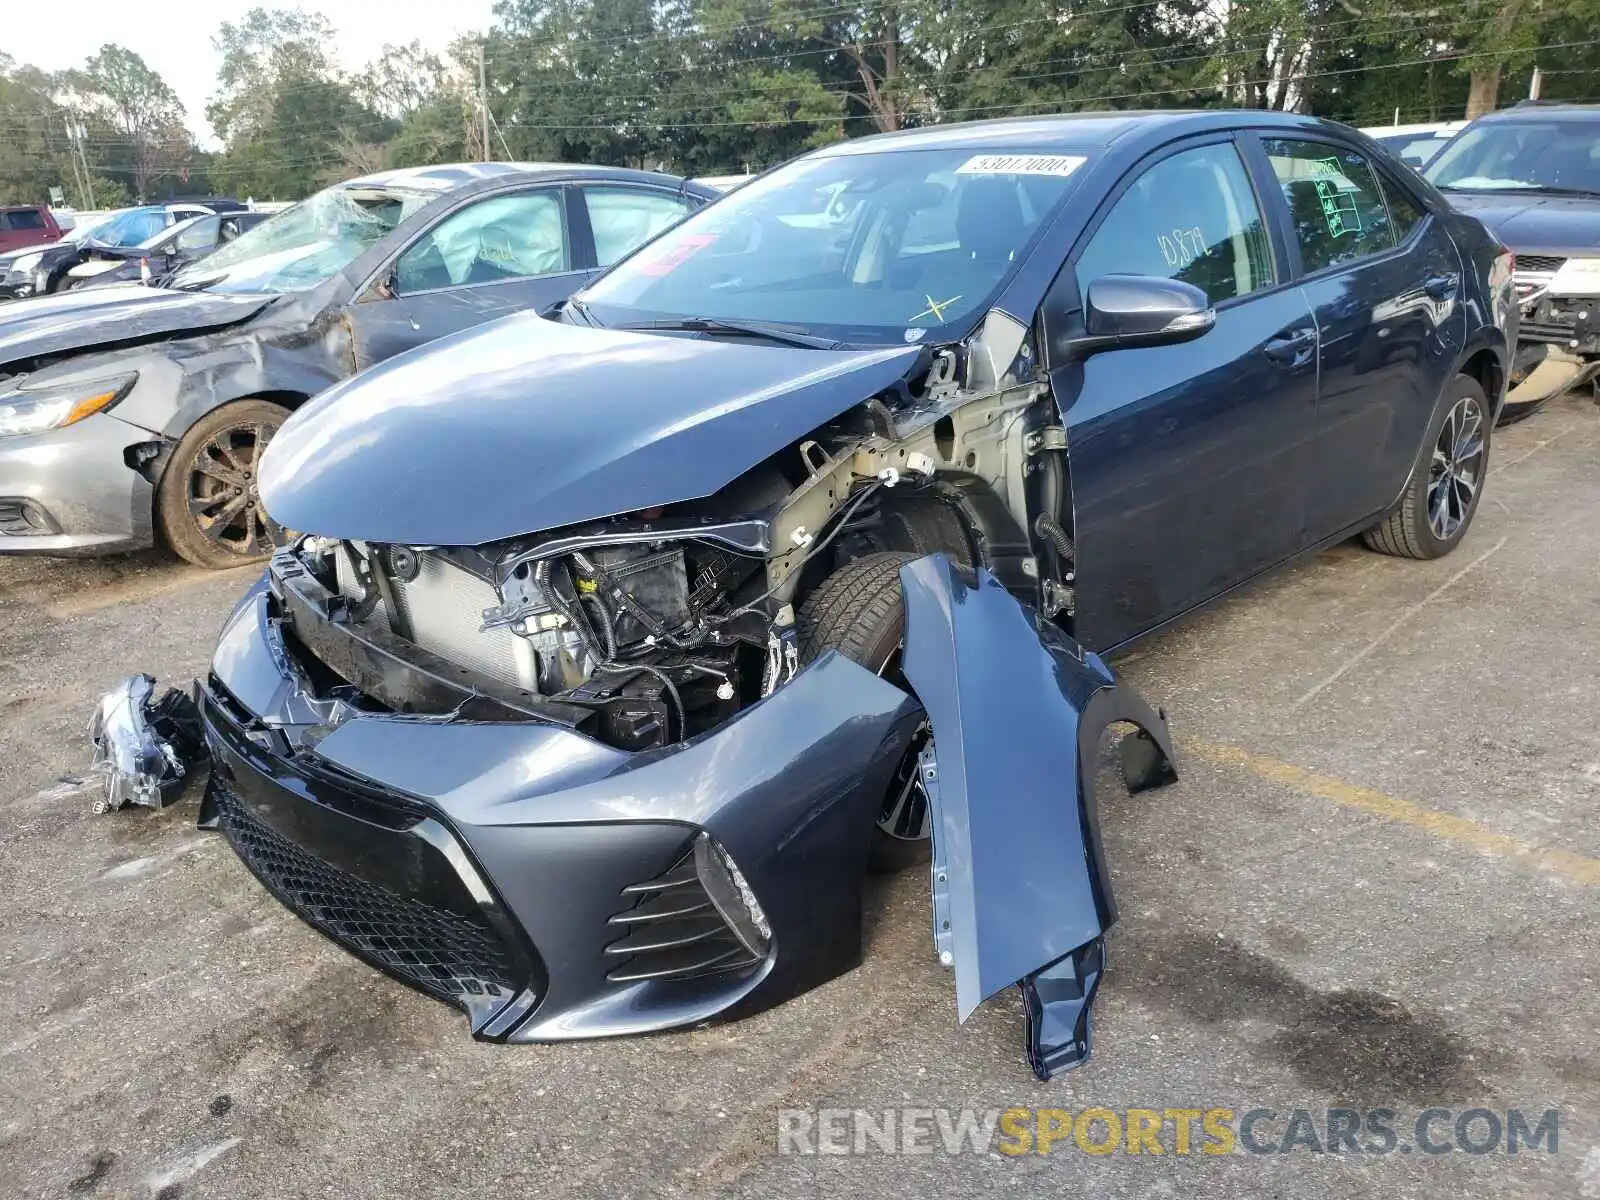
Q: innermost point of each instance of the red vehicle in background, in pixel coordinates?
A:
(26, 225)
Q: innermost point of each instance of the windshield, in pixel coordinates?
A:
(84, 230)
(873, 248)
(306, 244)
(1521, 155)
(128, 228)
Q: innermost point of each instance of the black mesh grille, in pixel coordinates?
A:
(443, 953)
(673, 931)
(1538, 262)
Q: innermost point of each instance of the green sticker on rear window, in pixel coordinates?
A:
(1338, 196)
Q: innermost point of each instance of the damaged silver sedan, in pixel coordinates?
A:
(617, 646)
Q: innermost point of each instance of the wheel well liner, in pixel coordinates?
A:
(1484, 365)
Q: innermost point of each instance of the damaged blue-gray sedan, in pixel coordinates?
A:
(616, 647)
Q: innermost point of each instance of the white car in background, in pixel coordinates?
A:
(724, 183)
(1416, 145)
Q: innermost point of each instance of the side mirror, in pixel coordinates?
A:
(1122, 311)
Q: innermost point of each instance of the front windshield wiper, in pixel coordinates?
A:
(1561, 191)
(1522, 189)
(771, 333)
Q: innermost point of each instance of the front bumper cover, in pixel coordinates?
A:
(540, 880)
(488, 862)
(71, 491)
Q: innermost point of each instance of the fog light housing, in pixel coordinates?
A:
(731, 895)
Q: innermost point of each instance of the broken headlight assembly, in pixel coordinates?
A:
(143, 747)
(25, 410)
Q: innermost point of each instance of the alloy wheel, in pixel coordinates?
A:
(224, 499)
(1457, 468)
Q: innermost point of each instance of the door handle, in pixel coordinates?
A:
(1442, 287)
(1288, 347)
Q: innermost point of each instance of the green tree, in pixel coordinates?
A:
(140, 112)
(1483, 42)
(33, 137)
(289, 119)
(402, 79)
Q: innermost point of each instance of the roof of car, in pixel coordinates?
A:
(1062, 131)
(1545, 110)
(449, 176)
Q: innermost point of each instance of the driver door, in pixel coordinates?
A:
(501, 254)
(1189, 461)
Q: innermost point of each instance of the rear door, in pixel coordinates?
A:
(1188, 462)
(500, 254)
(1384, 283)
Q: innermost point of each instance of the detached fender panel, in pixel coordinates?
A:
(1017, 710)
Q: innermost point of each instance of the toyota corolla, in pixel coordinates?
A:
(617, 645)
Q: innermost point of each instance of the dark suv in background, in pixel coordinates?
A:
(1532, 175)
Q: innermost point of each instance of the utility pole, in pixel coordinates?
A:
(72, 157)
(1536, 84)
(483, 102)
(75, 152)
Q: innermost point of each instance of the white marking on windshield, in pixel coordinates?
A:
(1060, 165)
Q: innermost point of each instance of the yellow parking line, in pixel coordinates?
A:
(1406, 812)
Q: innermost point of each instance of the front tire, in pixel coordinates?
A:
(207, 503)
(859, 611)
(1446, 482)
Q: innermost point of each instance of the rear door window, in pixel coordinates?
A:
(624, 219)
(27, 218)
(1336, 208)
(1405, 213)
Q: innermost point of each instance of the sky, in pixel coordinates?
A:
(176, 40)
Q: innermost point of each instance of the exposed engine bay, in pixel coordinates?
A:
(652, 627)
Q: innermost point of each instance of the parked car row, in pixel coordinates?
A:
(644, 563)
(163, 436)
(1532, 175)
(43, 265)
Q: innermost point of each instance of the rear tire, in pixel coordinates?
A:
(207, 503)
(1446, 483)
(858, 611)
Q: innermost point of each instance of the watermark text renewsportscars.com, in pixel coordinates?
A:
(1099, 1131)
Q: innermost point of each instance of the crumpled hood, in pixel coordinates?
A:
(527, 424)
(1565, 225)
(84, 320)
